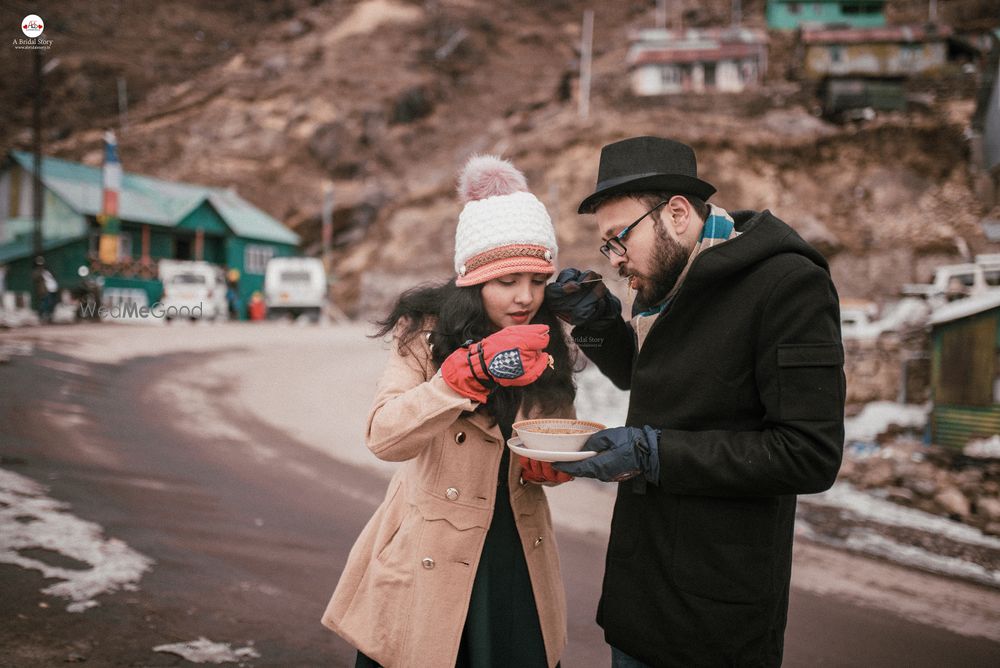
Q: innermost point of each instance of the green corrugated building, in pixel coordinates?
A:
(789, 15)
(965, 370)
(159, 220)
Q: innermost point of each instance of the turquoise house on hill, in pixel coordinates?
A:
(788, 15)
(159, 220)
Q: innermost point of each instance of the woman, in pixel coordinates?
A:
(458, 566)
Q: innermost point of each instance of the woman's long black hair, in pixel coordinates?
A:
(461, 316)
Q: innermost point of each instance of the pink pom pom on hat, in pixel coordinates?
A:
(503, 229)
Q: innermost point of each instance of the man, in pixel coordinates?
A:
(46, 289)
(735, 364)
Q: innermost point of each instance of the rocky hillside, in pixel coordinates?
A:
(386, 98)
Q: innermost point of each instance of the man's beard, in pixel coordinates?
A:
(669, 259)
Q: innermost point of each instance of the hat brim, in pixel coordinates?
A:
(504, 267)
(673, 183)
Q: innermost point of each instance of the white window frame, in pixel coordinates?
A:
(256, 257)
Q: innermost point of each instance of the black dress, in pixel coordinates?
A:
(501, 629)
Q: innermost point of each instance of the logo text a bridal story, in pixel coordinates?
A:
(32, 26)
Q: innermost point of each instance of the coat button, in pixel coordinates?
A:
(460, 437)
(452, 494)
(428, 563)
(538, 541)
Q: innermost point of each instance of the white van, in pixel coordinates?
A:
(952, 281)
(295, 286)
(193, 290)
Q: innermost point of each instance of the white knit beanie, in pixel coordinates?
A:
(503, 229)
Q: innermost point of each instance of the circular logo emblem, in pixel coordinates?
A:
(32, 26)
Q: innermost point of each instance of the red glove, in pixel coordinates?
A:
(533, 470)
(514, 356)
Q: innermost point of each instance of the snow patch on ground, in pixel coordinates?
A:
(866, 541)
(204, 650)
(29, 520)
(870, 542)
(865, 506)
(988, 447)
(858, 505)
(876, 418)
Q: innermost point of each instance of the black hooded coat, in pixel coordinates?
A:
(743, 373)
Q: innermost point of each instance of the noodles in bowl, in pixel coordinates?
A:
(556, 435)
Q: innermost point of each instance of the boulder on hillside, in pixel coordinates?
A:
(335, 147)
(412, 105)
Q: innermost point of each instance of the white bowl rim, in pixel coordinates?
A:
(526, 425)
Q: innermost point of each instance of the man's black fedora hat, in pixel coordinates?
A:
(642, 164)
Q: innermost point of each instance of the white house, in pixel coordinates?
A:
(729, 60)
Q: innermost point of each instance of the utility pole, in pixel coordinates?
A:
(932, 11)
(586, 49)
(37, 201)
(122, 105)
(737, 13)
(326, 219)
(327, 227)
(661, 14)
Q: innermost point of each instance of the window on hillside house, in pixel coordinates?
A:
(255, 258)
(124, 244)
(794, 8)
(855, 8)
(710, 75)
(670, 76)
(909, 54)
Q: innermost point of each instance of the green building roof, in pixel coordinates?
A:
(145, 199)
(22, 248)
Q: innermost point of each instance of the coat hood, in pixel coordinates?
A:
(762, 236)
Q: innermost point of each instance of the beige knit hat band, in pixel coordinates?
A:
(503, 253)
(506, 267)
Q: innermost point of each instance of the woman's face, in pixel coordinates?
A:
(513, 299)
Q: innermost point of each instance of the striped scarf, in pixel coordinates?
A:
(719, 228)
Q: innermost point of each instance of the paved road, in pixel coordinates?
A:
(249, 546)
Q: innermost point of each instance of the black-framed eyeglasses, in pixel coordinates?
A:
(615, 244)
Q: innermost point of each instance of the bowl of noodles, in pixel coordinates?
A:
(555, 434)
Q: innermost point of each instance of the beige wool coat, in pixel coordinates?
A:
(404, 593)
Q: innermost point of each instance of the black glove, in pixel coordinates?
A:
(622, 453)
(579, 302)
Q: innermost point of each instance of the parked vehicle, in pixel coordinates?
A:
(990, 262)
(954, 281)
(193, 290)
(856, 314)
(861, 319)
(295, 286)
